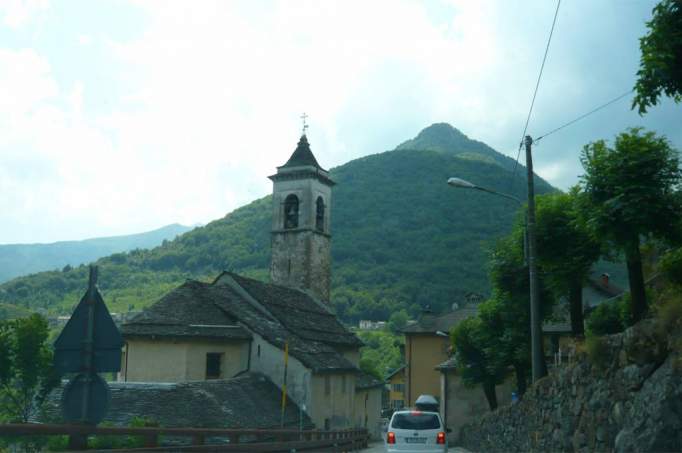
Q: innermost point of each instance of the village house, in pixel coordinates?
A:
(284, 331)
(396, 388)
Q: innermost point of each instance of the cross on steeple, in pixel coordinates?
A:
(305, 125)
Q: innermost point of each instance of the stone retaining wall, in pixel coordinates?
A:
(629, 400)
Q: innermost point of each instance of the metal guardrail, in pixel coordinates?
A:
(256, 440)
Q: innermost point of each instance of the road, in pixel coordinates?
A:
(378, 447)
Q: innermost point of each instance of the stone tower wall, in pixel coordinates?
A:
(302, 259)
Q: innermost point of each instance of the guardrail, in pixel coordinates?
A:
(256, 440)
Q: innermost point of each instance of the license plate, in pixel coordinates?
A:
(415, 440)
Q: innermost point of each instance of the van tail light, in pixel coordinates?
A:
(441, 438)
(390, 437)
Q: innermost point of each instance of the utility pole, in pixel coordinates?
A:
(539, 366)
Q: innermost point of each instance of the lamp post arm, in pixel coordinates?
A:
(510, 197)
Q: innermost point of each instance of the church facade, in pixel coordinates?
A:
(284, 330)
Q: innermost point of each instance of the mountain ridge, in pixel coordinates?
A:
(21, 259)
(402, 238)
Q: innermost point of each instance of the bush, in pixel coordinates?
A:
(608, 318)
(669, 312)
(671, 266)
(597, 351)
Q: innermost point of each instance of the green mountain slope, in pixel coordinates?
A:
(402, 238)
(22, 259)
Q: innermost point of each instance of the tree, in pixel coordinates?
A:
(566, 250)
(660, 67)
(469, 341)
(398, 321)
(510, 318)
(26, 372)
(630, 194)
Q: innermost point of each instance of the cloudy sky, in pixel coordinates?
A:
(123, 116)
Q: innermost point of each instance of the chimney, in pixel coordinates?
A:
(605, 279)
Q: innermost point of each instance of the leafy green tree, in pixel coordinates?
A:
(469, 340)
(630, 194)
(566, 250)
(660, 67)
(398, 321)
(26, 371)
(510, 320)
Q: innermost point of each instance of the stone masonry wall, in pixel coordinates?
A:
(628, 401)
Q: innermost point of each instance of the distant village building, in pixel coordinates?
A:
(239, 328)
(366, 324)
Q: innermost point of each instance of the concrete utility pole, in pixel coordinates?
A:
(539, 366)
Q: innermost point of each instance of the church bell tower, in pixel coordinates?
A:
(301, 236)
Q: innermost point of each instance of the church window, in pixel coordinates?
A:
(258, 350)
(327, 385)
(291, 212)
(319, 216)
(213, 360)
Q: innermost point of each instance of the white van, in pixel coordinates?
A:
(416, 431)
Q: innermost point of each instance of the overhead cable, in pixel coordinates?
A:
(535, 93)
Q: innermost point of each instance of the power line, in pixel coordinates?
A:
(535, 93)
(618, 98)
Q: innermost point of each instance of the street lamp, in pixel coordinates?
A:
(463, 184)
(538, 361)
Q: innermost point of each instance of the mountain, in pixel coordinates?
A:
(23, 259)
(402, 238)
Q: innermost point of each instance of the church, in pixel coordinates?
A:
(235, 327)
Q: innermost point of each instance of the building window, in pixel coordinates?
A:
(213, 362)
(327, 385)
(398, 387)
(291, 212)
(258, 351)
(343, 383)
(327, 424)
(319, 216)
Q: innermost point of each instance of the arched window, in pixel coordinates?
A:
(291, 212)
(319, 216)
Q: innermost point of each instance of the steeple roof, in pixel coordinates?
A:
(302, 156)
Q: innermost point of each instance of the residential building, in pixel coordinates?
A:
(396, 388)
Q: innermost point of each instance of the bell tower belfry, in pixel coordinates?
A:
(301, 214)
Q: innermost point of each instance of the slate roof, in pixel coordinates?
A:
(302, 156)
(187, 311)
(430, 324)
(364, 381)
(276, 313)
(394, 372)
(449, 364)
(250, 400)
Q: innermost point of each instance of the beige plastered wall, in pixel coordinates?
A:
(338, 405)
(423, 353)
(368, 411)
(179, 361)
(466, 403)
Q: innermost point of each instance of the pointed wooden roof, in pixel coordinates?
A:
(302, 156)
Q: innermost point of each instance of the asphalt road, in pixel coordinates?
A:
(378, 447)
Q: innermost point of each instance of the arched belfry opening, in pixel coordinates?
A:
(291, 212)
(319, 214)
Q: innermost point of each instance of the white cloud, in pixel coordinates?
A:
(210, 95)
(18, 13)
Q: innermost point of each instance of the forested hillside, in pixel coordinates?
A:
(402, 238)
(23, 259)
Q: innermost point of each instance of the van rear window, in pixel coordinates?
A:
(415, 420)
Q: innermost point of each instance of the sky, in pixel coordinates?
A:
(119, 117)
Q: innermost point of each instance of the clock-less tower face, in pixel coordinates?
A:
(301, 236)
